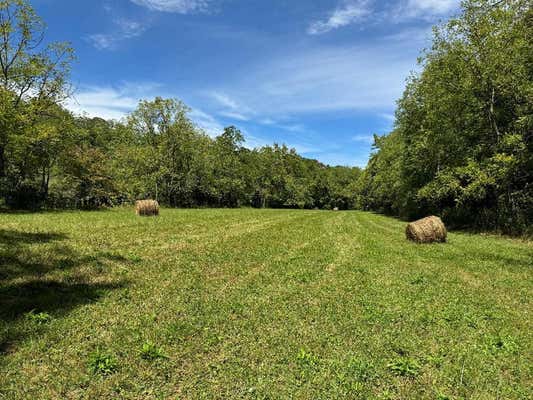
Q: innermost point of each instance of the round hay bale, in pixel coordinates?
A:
(427, 230)
(147, 208)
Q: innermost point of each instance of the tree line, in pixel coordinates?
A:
(461, 146)
(159, 153)
(52, 158)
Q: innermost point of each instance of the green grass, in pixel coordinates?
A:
(258, 304)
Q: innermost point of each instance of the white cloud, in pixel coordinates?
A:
(224, 100)
(102, 41)
(427, 10)
(389, 117)
(234, 115)
(367, 139)
(436, 7)
(125, 29)
(206, 122)
(416, 35)
(175, 6)
(325, 79)
(335, 158)
(364, 11)
(267, 121)
(253, 142)
(116, 102)
(349, 12)
(230, 107)
(104, 102)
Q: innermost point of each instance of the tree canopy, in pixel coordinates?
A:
(461, 146)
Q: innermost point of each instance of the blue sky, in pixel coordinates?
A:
(321, 76)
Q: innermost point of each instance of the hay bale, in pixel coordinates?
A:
(427, 230)
(147, 208)
(336, 209)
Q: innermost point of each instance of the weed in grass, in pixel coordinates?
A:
(404, 366)
(472, 321)
(180, 331)
(149, 351)
(306, 359)
(212, 338)
(102, 363)
(361, 370)
(134, 258)
(124, 296)
(435, 361)
(442, 396)
(39, 318)
(502, 344)
(307, 363)
(353, 378)
(427, 318)
(352, 387)
(419, 280)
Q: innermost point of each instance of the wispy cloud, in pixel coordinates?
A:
(325, 79)
(335, 158)
(116, 102)
(124, 29)
(234, 115)
(175, 6)
(206, 122)
(367, 139)
(414, 8)
(229, 107)
(110, 102)
(348, 12)
(224, 100)
(253, 142)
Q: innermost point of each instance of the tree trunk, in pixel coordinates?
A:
(2, 162)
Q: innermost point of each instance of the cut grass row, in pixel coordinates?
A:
(203, 304)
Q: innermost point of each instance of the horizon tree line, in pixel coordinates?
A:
(461, 146)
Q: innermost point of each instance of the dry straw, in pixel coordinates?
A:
(427, 230)
(147, 208)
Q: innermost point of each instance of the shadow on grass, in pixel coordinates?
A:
(38, 272)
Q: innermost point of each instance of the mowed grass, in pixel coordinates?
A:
(258, 304)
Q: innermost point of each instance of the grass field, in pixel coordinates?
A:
(258, 304)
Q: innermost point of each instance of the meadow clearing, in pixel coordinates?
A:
(258, 304)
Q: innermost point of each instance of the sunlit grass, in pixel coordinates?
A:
(260, 304)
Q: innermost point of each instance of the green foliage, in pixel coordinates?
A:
(39, 318)
(149, 351)
(306, 359)
(404, 366)
(33, 80)
(49, 157)
(502, 344)
(360, 370)
(463, 146)
(102, 363)
(381, 186)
